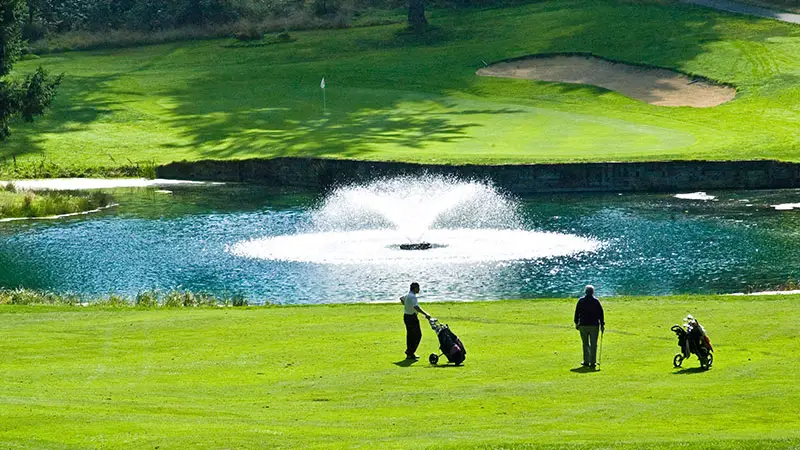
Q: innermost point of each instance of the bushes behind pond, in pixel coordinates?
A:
(15, 203)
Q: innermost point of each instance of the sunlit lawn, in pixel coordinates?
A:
(331, 376)
(392, 96)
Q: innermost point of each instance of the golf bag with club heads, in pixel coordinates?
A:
(449, 344)
(692, 340)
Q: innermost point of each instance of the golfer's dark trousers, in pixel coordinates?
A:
(413, 333)
(589, 335)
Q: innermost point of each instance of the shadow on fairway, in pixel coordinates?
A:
(80, 101)
(350, 132)
(690, 370)
(404, 38)
(405, 362)
(636, 41)
(585, 369)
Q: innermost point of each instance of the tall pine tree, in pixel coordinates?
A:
(26, 98)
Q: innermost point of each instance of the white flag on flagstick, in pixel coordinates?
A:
(322, 83)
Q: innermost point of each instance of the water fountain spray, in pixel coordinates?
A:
(380, 221)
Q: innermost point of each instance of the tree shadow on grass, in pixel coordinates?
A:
(342, 133)
(667, 35)
(405, 37)
(78, 103)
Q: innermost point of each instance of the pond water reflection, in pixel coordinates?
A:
(649, 244)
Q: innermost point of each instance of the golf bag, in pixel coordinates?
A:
(692, 340)
(449, 344)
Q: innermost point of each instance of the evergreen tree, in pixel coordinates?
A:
(25, 98)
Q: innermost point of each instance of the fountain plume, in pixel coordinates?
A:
(443, 219)
(414, 205)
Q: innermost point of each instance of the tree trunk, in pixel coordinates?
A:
(31, 12)
(416, 14)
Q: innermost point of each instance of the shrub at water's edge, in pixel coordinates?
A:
(44, 168)
(144, 299)
(177, 298)
(15, 204)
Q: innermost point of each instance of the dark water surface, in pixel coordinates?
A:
(654, 244)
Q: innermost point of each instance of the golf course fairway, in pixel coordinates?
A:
(334, 376)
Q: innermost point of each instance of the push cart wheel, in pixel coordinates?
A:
(434, 358)
(677, 360)
(709, 360)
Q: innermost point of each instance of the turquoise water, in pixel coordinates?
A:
(651, 244)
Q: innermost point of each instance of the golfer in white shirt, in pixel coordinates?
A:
(413, 331)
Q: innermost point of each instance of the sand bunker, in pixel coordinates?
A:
(661, 87)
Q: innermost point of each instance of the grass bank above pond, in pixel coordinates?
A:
(19, 204)
(391, 95)
(333, 376)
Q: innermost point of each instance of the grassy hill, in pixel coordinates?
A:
(334, 376)
(397, 96)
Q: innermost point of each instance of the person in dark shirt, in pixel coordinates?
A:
(589, 321)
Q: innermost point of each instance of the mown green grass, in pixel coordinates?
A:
(333, 376)
(397, 96)
(42, 204)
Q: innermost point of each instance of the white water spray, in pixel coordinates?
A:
(415, 205)
(463, 222)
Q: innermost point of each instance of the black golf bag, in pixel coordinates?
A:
(693, 341)
(449, 344)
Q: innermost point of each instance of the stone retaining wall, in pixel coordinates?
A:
(320, 174)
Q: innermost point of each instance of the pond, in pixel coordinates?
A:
(285, 247)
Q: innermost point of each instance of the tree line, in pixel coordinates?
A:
(58, 16)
